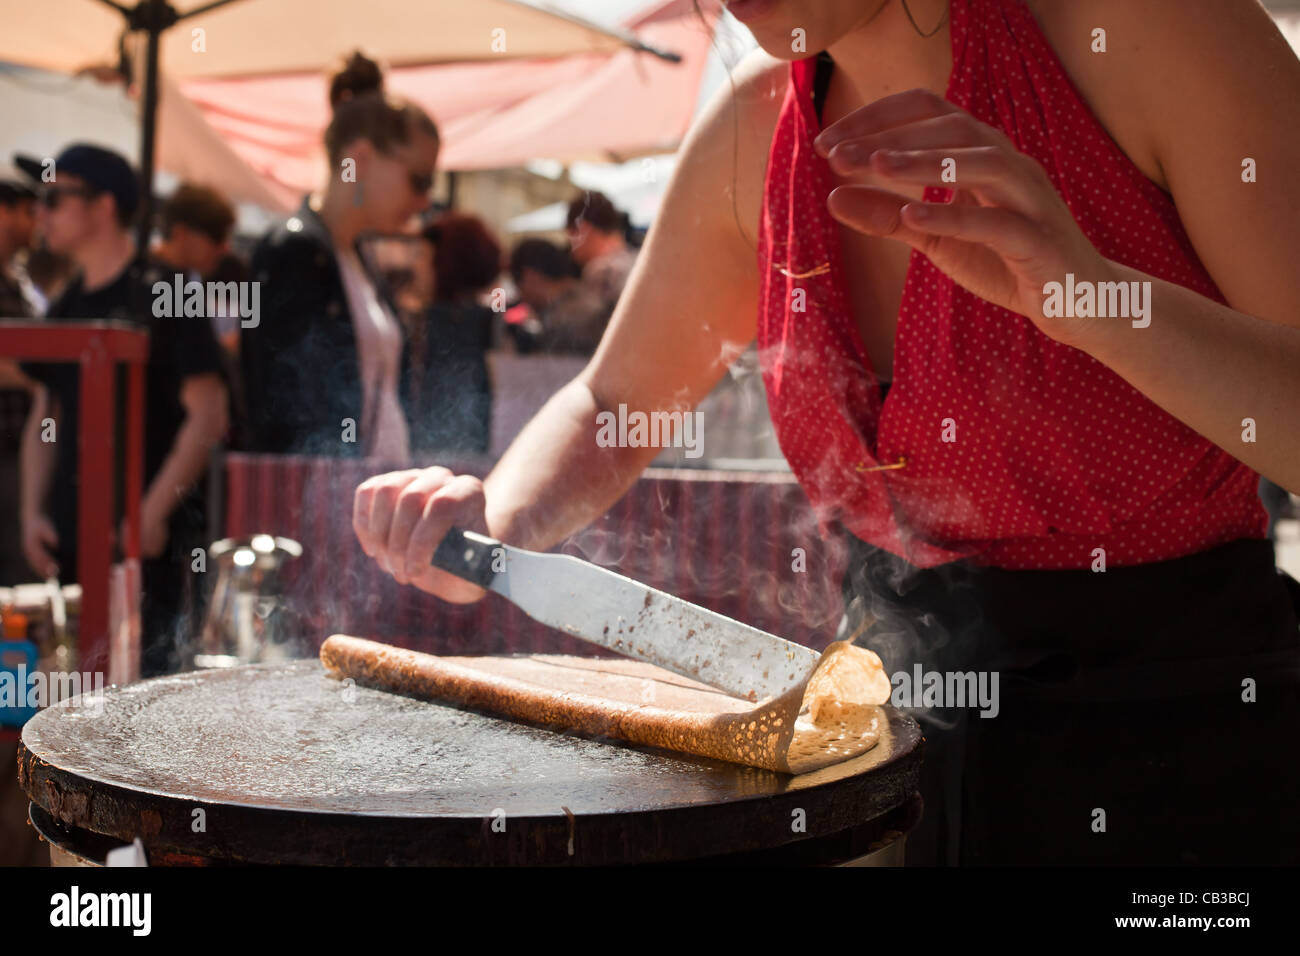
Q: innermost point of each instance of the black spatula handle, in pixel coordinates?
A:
(468, 555)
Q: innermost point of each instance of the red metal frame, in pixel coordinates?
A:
(97, 347)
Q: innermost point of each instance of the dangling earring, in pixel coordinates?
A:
(943, 19)
(358, 194)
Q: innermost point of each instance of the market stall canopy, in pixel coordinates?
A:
(248, 37)
(44, 113)
(491, 115)
(190, 149)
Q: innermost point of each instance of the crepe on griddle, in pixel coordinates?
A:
(833, 716)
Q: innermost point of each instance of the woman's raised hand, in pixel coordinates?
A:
(401, 517)
(1006, 232)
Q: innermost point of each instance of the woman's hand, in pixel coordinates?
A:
(401, 517)
(153, 528)
(1006, 232)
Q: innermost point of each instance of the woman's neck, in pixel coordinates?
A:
(886, 44)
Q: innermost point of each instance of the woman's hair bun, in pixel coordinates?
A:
(359, 75)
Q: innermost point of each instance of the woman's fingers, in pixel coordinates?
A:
(879, 212)
(457, 503)
(1011, 235)
(948, 131)
(408, 510)
(985, 249)
(373, 505)
(899, 109)
(872, 210)
(401, 517)
(992, 174)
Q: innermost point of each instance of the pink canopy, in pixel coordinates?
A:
(491, 115)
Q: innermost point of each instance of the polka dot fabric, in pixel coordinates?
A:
(1053, 455)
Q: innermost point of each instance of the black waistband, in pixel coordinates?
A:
(1217, 616)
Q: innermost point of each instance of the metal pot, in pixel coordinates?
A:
(246, 621)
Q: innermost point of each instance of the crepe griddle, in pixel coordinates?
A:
(290, 766)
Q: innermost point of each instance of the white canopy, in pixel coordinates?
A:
(259, 37)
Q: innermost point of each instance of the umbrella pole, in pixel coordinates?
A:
(148, 130)
(152, 17)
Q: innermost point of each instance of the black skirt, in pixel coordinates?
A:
(1143, 715)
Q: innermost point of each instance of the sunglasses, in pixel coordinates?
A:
(421, 181)
(51, 196)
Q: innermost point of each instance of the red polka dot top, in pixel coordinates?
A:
(1015, 451)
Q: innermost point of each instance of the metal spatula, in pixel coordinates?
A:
(608, 609)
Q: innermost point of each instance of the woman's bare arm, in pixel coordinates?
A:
(688, 310)
(1234, 378)
(1219, 87)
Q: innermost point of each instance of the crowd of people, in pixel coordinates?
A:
(340, 357)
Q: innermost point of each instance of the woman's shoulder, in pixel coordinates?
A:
(727, 149)
(298, 240)
(758, 86)
(1140, 67)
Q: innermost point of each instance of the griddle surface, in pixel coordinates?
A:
(283, 740)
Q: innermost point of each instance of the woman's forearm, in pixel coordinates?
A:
(555, 478)
(1232, 377)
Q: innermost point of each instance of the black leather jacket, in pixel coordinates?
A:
(300, 368)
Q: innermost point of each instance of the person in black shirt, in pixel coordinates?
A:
(86, 213)
(446, 390)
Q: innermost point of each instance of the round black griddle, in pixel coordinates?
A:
(290, 766)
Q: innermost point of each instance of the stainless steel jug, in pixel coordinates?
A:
(246, 621)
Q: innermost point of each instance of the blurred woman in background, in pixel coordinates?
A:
(445, 386)
(321, 368)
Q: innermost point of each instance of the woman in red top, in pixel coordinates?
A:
(1021, 274)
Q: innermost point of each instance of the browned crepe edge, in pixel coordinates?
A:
(758, 737)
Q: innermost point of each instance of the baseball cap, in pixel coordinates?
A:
(14, 190)
(101, 168)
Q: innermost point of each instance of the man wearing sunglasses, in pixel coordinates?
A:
(88, 199)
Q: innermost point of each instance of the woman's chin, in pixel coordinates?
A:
(391, 225)
(778, 37)
(778, 45)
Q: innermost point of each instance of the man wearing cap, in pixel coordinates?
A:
(88, 197)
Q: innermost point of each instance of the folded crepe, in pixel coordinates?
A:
(831, 717)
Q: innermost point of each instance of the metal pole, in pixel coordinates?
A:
(149, 120)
